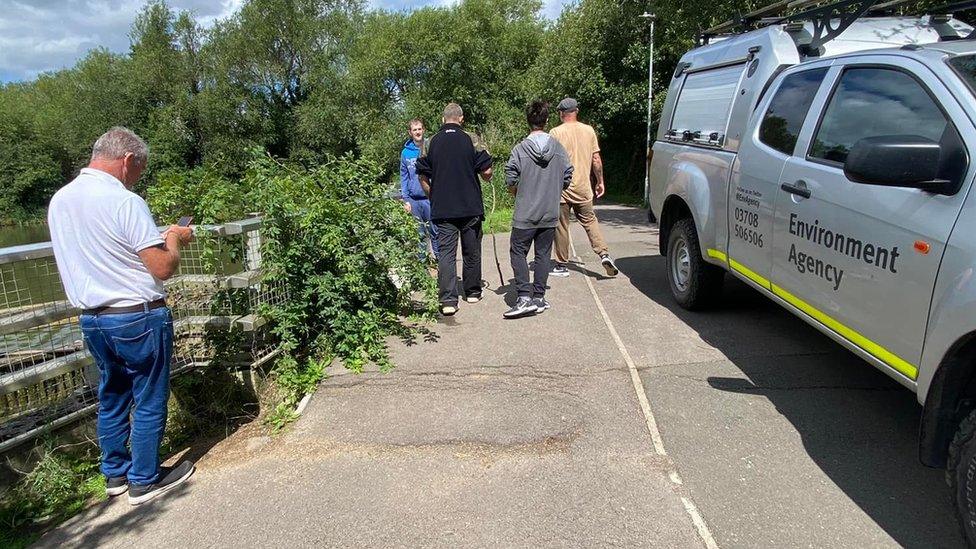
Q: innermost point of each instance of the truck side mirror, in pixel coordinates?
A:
(897, 161)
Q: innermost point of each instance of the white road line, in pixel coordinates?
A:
(675, 477)
(645, 406)
(703, 531)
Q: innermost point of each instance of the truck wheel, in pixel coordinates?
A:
(695, 284)
(961, 476)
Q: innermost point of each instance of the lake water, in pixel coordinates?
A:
(27, 234)
(29, 287)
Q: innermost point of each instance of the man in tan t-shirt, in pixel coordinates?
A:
(581, 143)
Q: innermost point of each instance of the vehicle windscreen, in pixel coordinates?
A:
(965, 67)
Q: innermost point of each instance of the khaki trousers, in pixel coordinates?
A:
(587, 218)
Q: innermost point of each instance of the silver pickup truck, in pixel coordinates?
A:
(834, 174)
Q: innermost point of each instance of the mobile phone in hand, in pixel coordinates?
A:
(185, 221)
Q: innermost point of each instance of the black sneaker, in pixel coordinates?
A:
(448, 310)
(541, 305)
(472, 298)
(609, 265)
(116, 486)
(523, 307)
(169, 478)
(559, 270)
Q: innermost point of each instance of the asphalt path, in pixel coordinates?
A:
(784, 438)
(614, 419)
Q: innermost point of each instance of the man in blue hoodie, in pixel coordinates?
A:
(410, 189)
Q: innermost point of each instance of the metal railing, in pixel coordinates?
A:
(48, 378)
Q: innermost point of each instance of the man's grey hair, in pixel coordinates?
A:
(453, 112)
(117, 142)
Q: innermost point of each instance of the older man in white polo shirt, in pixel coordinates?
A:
(112, 260)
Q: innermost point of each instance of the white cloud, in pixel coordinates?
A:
(44, 35)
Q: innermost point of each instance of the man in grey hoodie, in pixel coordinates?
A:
(537, 173)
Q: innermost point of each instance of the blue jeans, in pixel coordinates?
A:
(133, 352)
(420, 208)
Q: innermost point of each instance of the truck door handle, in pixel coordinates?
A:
(797, 190)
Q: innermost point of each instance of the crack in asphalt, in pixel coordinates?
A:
(494, 372)
(486, 450)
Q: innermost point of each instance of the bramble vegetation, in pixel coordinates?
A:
(344, 251)
(347, 256)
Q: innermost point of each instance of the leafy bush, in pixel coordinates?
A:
(345, 252)
(347, 255)
(202, 192)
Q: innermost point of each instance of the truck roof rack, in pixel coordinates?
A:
(744, 21)
(828, 20)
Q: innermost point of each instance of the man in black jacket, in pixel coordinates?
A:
(449, 174)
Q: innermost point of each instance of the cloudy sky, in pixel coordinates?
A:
(42, 35)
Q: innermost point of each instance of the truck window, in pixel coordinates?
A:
(788, 108)
(965, 67)
(706, 100)
(871, 102)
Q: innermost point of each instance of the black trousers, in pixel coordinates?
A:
(448, 231)
(541, 240)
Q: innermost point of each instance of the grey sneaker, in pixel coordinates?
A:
(116, 486)
(523, 307)
(559, 270)
(169, 478)
(609, 265)
(541, 305)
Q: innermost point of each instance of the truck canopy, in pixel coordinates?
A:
(716, 86)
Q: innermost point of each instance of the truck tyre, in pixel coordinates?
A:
(694, 283)
(961, 476)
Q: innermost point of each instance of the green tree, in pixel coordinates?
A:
(410, 65)
(29, 170)
(597, 53)
(270, 56)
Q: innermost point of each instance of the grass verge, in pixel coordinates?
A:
(63, 482)
(625, 198)
(499, 221)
